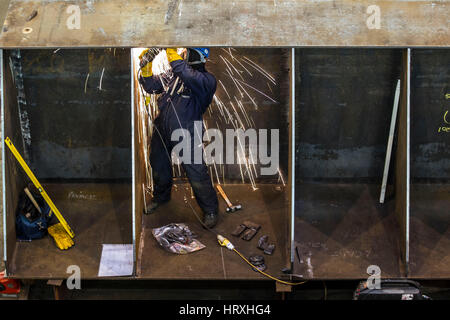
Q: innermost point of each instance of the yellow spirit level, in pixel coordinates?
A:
(39, 187)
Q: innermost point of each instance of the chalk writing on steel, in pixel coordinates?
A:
(446, 118)
(445, 128)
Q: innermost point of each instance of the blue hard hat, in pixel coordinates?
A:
(203, 51)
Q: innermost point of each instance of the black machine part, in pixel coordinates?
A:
(390, 289)
(239, 229)
(248, 230)
(263, 244)
(258, 262)
(252, 229)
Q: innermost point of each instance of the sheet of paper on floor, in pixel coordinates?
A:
(116, 260)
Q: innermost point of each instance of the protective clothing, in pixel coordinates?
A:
(204, 53)
(151, 207)
(62, 239)
(147, 70)
(146, 57)
(210, 220)
(179, 108)
(197, 55)
(172, 55)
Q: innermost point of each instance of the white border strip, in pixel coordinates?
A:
(133, 180)
(292, 152)
(408, 109)
(2, 97)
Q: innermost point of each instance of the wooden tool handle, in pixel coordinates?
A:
(32, 199)
(224, 196)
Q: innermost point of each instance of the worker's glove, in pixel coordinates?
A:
(62, 239)
(145, 63)
(148, 99)
(172, 54)
(148, 55)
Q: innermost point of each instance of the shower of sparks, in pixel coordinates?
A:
(85, 83)
(101, 80)
(237, 97)
(161, 66)
(280, 177)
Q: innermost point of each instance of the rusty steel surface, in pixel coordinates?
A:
(265, 206)
(3, 10)
(343, 107)
(430, 165)
(341, 230)
(430, 231)
(273, 23)
(78, 111)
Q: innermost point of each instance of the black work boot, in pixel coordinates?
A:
(152, 206)
(210, 219)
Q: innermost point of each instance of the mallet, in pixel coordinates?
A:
(230, 207)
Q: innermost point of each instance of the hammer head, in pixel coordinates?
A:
(234, 208)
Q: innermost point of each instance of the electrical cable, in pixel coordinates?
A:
(245, 259)
(268, 275)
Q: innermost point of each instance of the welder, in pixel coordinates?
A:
(182, 102)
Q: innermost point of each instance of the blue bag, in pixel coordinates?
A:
(35, 225)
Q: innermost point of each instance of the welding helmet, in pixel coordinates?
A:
(203, 53)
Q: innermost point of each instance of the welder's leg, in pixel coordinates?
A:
(201, 183)
(161, 168)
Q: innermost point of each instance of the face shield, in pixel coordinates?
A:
(191, 56)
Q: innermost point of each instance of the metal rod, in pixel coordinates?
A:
(408, 106)
(387, 161)
(2, 98)
(292, 168)
(133, 165)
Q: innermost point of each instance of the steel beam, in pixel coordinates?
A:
(242, 23)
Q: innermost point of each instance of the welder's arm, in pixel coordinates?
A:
(151, 84)
(197, 81)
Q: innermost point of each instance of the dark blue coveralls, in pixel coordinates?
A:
(190, 104)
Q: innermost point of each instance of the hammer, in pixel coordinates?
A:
(230, 207)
